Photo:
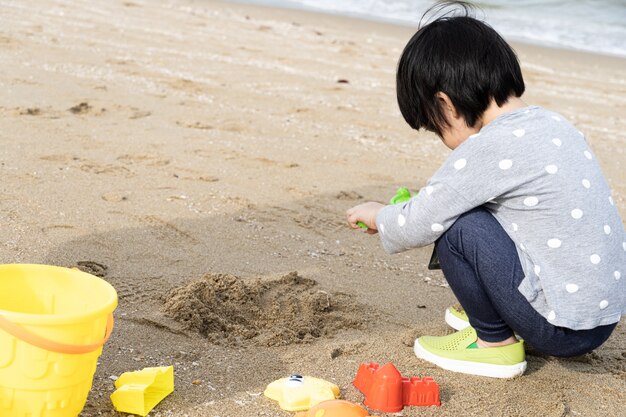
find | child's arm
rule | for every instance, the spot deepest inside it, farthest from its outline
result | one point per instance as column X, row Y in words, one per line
column 421, row 220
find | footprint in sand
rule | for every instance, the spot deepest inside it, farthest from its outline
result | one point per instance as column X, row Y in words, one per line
column 114, row 197
column 195, row 125
column 348, row 195
column 31, row 111
column 84, row 108
column 80, row 108
column 95, row 168
column 139, row 114
column 93, row 268
column 147, row 159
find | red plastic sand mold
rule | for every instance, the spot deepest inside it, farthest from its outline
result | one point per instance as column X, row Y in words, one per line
column 387, row 391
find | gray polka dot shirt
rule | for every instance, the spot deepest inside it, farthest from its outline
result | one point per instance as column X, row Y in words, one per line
column 536, row 174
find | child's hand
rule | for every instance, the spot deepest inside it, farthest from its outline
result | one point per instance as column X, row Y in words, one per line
column 365, row 213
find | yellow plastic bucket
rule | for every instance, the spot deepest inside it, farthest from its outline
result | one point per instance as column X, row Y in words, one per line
column 53, row 324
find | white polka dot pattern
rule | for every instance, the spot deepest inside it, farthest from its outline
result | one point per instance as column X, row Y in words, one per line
column 460, row 164
column 611, row 202
column 519, row 132
column 617, row 275
column 558, row 119
column 436, row 227
column 604, row 304
column 505, row 164
column 515, row 227
column 607, row 229
column 571, row 288
column 586, row 183
column 557, row 141
column 552, row 169
column 554, row 243
column 577, row 213
column 537, row 270
column 595, row 259
column 381, row 227
column 429, row 190
column 587, row 155
column 551, row 315
column 401, row 220
column 531, row 201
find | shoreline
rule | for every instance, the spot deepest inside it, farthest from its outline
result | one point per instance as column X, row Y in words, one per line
column 392, row 22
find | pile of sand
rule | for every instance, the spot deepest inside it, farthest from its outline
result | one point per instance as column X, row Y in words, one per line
column 266, row 311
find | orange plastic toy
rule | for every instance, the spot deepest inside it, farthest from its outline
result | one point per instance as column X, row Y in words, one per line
column 388, row 391
column 335, row 408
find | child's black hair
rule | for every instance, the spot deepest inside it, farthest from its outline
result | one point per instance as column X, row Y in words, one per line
column 460, row 56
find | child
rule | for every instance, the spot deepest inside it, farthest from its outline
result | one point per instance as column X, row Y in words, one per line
column 524, row 225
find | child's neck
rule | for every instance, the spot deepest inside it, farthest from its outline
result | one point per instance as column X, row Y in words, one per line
column 494, row 110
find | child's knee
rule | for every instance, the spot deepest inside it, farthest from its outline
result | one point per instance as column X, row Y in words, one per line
column 475, row 218
column 471, row 226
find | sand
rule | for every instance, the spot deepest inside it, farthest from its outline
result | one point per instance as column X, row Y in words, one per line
column 162, row 145
column 277, row 311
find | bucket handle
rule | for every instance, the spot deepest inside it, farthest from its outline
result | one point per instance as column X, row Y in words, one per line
column 50, row 345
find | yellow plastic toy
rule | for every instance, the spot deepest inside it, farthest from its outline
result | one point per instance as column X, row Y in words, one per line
column 140, row 391
column 53, row 324
column 299, row 393
column 336, row 408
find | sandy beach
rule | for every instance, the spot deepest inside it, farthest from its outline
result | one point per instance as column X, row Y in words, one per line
column 194, row 151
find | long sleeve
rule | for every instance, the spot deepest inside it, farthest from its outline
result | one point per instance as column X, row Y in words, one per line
column 424, row 218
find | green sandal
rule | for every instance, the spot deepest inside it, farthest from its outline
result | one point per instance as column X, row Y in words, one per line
column 458, row 352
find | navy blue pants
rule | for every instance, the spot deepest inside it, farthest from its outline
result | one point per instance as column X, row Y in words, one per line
column 481, row 264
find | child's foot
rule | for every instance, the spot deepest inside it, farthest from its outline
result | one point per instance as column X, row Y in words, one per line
column 456, row 317
column 458, row 352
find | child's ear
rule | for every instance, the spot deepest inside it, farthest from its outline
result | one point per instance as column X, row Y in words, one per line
column 447, row 106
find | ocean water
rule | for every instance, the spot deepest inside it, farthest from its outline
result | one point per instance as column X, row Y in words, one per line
column 589, row 25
